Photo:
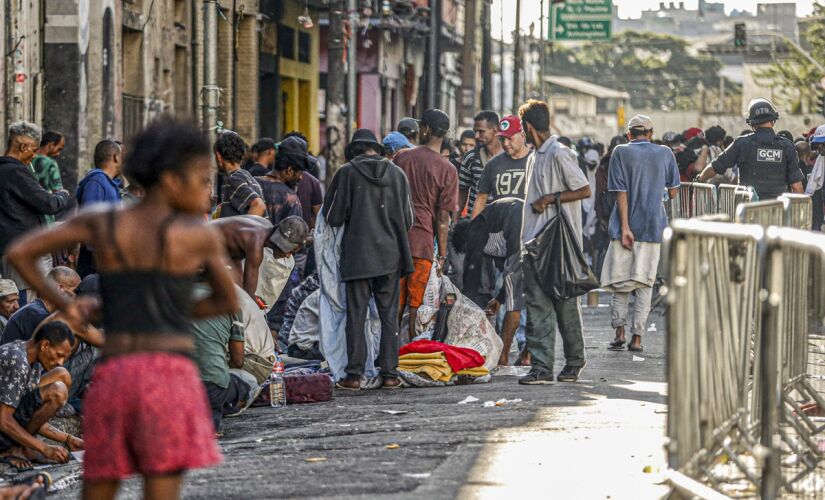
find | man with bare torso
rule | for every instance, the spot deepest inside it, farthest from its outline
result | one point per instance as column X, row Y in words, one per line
column 246, row 237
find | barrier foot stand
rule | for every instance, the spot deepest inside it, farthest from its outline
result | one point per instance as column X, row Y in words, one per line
column 691, row 488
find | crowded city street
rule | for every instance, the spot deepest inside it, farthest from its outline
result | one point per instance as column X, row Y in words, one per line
column 405, row 249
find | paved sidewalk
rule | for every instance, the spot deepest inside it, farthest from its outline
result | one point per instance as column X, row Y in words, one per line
column 592, row 439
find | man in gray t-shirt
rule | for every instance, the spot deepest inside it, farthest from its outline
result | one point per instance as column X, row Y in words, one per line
column 552, row 173
column 505, row 176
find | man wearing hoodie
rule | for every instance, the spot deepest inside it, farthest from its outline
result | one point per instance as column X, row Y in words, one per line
column 434, row 190
column 23, row 202
column 370, row 197
column 100, row 186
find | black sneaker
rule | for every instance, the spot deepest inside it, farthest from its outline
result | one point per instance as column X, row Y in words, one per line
column 537, row 377
column 570, row 373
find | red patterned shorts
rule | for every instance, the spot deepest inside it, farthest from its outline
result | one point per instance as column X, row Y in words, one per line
column 146, row 414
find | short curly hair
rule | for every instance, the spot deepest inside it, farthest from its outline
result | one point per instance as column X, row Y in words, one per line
column 231, row 147
column 536, row 113
column 166, row 145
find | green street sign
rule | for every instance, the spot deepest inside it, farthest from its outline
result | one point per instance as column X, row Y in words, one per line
column 581, row 20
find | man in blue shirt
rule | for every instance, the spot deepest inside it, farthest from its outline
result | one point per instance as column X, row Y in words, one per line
column 640, row 172
column 101, row 185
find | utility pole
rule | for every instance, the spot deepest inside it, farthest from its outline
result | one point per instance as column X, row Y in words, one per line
column 469, row 63
column 516, row 56
column 542, row 61
column 210, row 92
column 486, row 57
column 501, row 56
column 352, row 69
column 432, row 56
column 336, row 128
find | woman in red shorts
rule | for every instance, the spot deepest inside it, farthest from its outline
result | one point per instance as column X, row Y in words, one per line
column 146, row 411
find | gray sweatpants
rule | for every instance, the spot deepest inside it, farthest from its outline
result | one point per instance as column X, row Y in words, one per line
column 641, row 309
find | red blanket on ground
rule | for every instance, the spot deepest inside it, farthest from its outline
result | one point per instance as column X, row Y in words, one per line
column 459, row 358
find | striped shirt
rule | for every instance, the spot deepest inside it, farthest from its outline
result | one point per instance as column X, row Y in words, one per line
column 470, row 172
column 239, row 189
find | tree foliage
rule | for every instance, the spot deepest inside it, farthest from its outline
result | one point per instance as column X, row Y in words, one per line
column 795, row 81
column 658, row 71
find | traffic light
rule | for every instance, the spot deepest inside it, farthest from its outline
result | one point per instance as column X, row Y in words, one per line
column 822, row 104
column 740, row 36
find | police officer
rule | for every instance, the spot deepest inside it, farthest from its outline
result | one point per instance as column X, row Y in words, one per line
column 766, row 162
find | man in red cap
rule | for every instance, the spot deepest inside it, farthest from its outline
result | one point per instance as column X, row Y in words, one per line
column 505, row 175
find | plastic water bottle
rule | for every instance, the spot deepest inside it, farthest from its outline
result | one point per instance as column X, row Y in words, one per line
column 277, row 386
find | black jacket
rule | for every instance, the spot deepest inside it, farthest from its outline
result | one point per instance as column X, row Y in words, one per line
column 370, row 197
column 23, row 202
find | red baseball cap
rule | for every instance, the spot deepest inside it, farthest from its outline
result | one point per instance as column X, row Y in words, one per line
column 509, row 126
column 693, row 132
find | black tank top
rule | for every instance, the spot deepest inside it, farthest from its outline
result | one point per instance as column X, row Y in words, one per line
column 145, row 300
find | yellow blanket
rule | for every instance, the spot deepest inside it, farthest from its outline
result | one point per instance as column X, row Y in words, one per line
column 433, row 365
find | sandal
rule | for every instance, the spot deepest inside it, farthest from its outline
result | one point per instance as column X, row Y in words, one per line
column 45, row 477
column 391, row 383
column 616, row 345
column 349, row 384
column 13, row 460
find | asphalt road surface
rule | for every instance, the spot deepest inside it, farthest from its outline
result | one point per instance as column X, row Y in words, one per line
column 599, row 438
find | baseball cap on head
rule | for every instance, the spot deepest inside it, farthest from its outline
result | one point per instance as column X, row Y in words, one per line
column 693, row 132
column 640, row 122
column 7, row 287
column 819, row 135
column 407, row 125
column 290, row 234
column 591, row 157
column 295, row 149
column 509, row 126
column 437, row 120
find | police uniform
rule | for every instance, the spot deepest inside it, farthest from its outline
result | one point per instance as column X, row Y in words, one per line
column 766, row 162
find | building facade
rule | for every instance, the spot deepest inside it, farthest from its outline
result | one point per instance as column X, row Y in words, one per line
column 96, row 69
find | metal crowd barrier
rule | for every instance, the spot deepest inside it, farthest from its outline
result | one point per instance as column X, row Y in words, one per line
column 799, row 213
column 791, row 435
column 694, row 199
column 714, row 284
column 765, row 213
column 731, row 196
column 744, row 414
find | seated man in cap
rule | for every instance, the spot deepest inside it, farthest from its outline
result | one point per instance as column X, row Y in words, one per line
column 247, row 240
column 9, row 302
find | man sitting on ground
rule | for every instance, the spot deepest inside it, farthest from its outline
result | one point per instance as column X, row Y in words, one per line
column 246, row 238
column 9, row 302
column 219, row 346
column 86, row 348
column 30, row 398
column 22, row 324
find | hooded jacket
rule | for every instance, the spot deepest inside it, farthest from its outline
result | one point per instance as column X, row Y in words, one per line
column 370, row 197
column 23, row 201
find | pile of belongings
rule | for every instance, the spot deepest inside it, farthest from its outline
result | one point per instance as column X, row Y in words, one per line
column 466, row 323
column 425, row 363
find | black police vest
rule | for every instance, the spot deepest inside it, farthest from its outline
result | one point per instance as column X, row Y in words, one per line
column 763, row 164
